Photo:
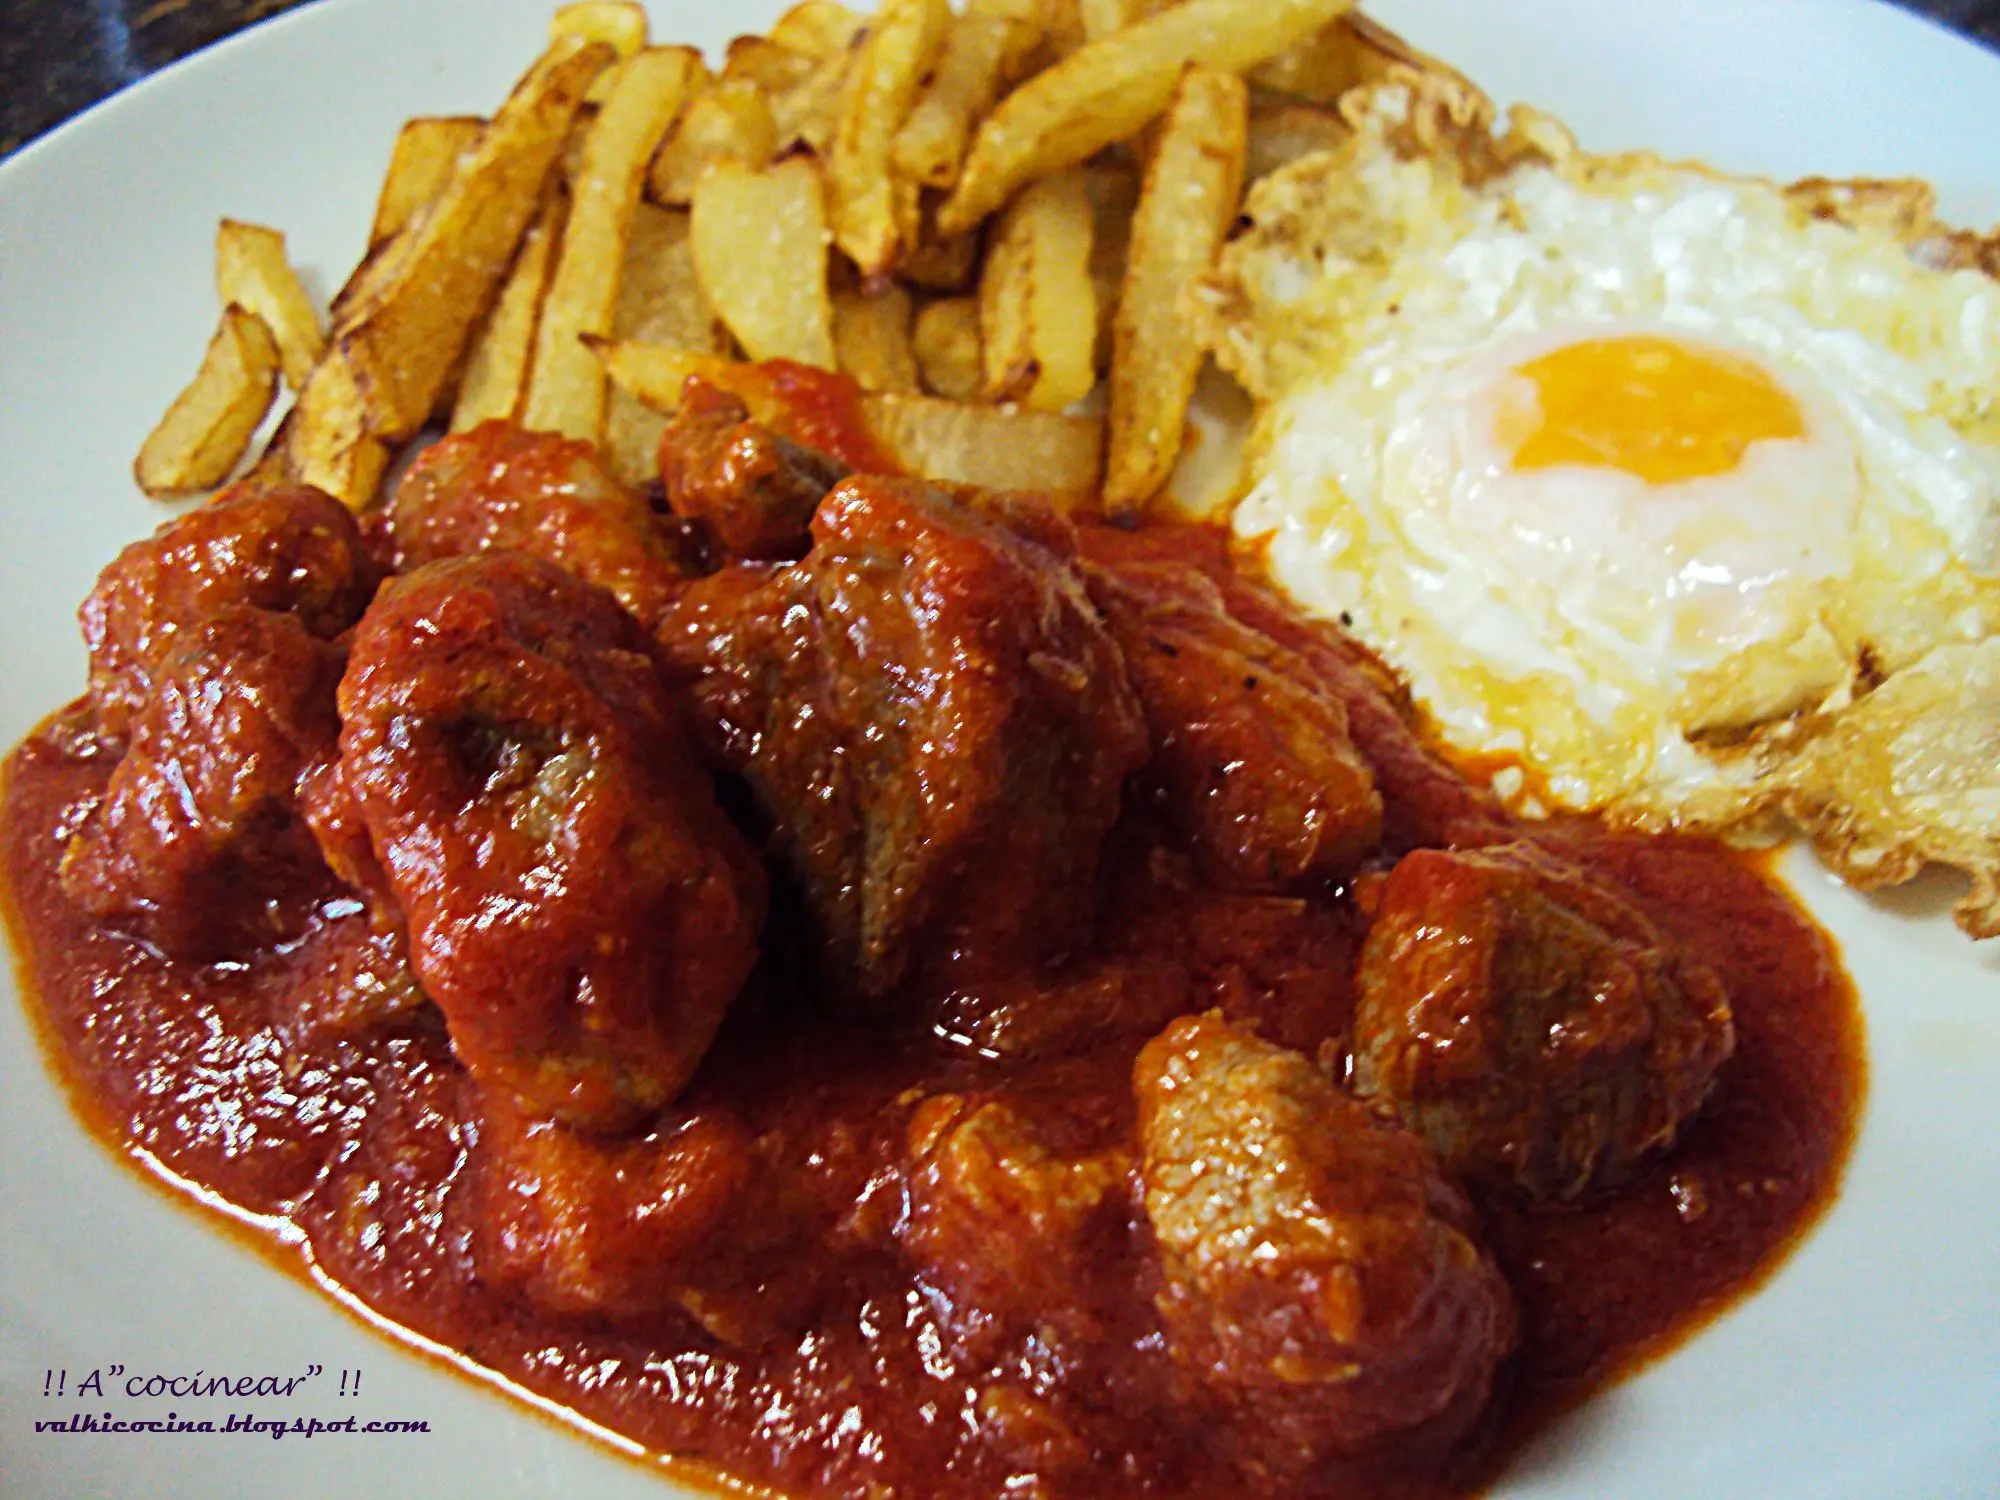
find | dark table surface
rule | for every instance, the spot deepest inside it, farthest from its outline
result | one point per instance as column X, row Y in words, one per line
column 60, row 56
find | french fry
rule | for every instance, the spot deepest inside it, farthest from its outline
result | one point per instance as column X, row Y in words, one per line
column 731, row 121
column 1101, row 18
column 566, row 383
column 618, row 24
column 1037, row 306
column 426, row 152
column 1114, row 198
column 1109, row 90
column 759, row 61
column 817, row 28
column 496, row 371
column 657, row 373
column 1002, row 448
column 252, row 272
column 760, row 240
column 660, row 301
column 996, row 447
column 660, row 297
column 1281, row 134
column 986, row 50
column 325, row 438
column 808, row 113
column 207, row 429
column 404, row 320
column 1193, row 185
column 939, row 265
column 946, row 341
column 869, row 221
column 1347, row 52
column 872, row 336
column 1062, row 25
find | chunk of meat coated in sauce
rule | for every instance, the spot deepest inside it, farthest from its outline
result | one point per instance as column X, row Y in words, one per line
column 582, row 1225
column 500, row 487
column 195, row 837
column 286, row 549
column 1251, row 759
column 1530, row 1021
column 1425, row 802
column 578, row 906
column 1319, row 1279
column 754, row 490
column 1000, row 1224
column 932, row 717
column 698, row 1216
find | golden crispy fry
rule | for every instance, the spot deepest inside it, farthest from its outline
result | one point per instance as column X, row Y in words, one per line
column 817, row 28
column 496, row 371
column 660, row 301
column 403, row 321
column 1110, row 89
column 660, row 297
column 808, row 112
column 760, row 240
column 986, row 51
column 1114, row 198
column 1037, row 306
column 936, row 263
column 427, row 150
column 251, row 271
column 869, row 221
column 872, row 335
column 619, row 24
column 657, row 373
column 1002, row 448
column 1062, row 26
column 1282, row 133
column 1341, row 55
column 203, row 436
column 566, row 384
column 1101, row 18
column 947, row 349
column 762, row 62
column 731, row 121
column 324, row 439
column 996, row 447
column 1193, row 185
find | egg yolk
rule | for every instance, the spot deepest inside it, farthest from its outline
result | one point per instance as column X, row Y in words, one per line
column 1656, row 409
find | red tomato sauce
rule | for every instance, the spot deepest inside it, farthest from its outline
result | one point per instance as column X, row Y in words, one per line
column 362, row 1145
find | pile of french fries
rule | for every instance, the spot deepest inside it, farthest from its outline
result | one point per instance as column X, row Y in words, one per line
column 989, row 220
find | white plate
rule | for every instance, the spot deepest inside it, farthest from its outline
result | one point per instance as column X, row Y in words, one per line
column 1870, row 1367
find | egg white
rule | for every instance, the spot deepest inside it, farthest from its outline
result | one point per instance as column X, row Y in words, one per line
column 1621, row 640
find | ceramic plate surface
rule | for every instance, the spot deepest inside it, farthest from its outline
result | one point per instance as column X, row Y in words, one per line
column 1869, row 1367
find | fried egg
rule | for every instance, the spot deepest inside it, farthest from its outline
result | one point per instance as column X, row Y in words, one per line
column 1640, row 475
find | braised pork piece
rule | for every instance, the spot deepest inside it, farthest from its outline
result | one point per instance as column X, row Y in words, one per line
column 884, row 990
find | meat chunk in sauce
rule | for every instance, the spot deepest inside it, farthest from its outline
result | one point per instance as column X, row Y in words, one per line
column 500, row 487
column 932, row 717
column 1425, row 802
column 287, row 549
column 195, row 839
column 1001, row 1225
column 578, row 906
column 1318, row 1277
column 698, row 1216
column 754, row 490
column 585, row 1226
column 1530, row 1021
column 1251, row 757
